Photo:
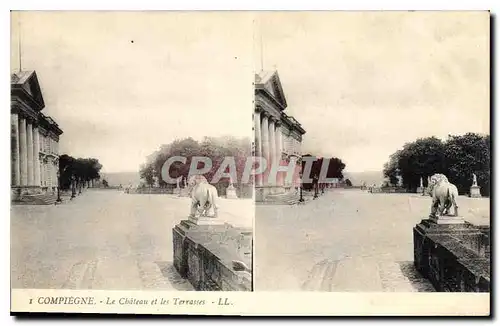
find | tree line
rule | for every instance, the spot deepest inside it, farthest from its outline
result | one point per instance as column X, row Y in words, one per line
column 79, row 170
column 215, row 148
column 334, row 170
column 458, row 157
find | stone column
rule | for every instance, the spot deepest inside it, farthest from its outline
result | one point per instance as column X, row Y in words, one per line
column 265, row 137
column 56, row 168
column 23, row 152
column 258, row 144
column 36, row 155
column 31, row 167
column 49, row 175
column 54, row 173
column 258, row 134
column 16, row 167
column 51, row 169
column 265, row 146
column 279, row 150
column 279, row 142
column 272, row 144
column 42, row 173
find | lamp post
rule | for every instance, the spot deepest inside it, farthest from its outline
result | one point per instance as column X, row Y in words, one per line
column 301, row 199
column 73, row 190
column 58, row 187
column 315, row 186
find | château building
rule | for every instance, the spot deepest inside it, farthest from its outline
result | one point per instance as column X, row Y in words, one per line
column 278, row 137
column 34, row 139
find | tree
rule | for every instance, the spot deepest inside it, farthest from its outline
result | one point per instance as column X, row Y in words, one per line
column 458, row 157
column 214, row 148
column 421, row 158
column 391, row 170
column 466, row 155
column 334, row 169
column 105, row 183
column 66, row 170
column 348, row 183
column 147, row 174
column 83, row 169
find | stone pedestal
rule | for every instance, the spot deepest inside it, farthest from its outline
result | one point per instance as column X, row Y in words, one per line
column 205, row 220
column 475, row 192
column 231, row 192
column 452, row 256
column 447, row 220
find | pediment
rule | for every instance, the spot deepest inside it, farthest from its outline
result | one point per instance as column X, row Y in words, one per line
column 28, row 82
column 272, row 84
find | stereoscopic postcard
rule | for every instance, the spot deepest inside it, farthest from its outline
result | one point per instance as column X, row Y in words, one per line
column 250, row 163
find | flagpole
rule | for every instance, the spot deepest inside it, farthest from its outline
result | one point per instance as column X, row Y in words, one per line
column 19, row 42
column 261, row 51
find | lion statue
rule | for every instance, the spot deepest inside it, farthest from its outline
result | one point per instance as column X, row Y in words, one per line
column 203, row 196
column 444, row 195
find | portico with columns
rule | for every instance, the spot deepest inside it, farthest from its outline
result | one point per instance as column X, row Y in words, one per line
column 34, row 139
column 278, row 136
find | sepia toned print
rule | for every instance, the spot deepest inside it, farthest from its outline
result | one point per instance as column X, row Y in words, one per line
column 398, row 102
column 250, row 163
column 99, row 102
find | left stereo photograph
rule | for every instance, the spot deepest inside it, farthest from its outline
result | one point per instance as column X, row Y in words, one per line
column 130, row 134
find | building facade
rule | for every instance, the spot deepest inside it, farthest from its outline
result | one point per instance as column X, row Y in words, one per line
column 278, row 136
column 34, row 139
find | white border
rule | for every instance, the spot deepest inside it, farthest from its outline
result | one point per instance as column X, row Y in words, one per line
column 185, row 5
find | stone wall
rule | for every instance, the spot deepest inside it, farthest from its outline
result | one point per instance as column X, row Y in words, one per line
column 387, row 190
column 454, row 257
column 149, row 191
column 204, row 254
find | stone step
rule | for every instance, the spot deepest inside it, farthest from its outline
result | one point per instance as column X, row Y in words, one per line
column 290, row 198
column 38, row 199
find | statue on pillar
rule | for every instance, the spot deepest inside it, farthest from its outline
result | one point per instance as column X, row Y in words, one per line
column 475, row 190
column 231, row 191
column 421, row 188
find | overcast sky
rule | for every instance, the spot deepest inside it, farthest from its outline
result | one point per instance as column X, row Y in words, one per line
column 184, row 75
column 362, row 84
